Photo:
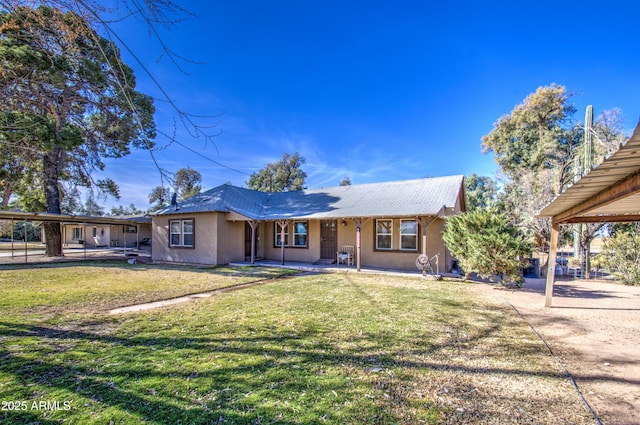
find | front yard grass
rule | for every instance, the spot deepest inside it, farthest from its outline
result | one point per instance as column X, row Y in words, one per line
column 99, row 286
column 313, row 349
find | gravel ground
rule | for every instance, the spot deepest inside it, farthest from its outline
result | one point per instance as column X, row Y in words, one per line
column 593, row 329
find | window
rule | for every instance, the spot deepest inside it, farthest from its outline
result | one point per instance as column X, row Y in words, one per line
column 384, row 234
column 77, row 234
column 181, row 233
column 300, row 231
column 130, row 229
column 278, row 235
column 409, row 235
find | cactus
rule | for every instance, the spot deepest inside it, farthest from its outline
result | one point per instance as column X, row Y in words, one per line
column 588, row 140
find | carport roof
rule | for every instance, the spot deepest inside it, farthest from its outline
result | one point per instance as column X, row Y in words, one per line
column 41, row 216
column 609, row 193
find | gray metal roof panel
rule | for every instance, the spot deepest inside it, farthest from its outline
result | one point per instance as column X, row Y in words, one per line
column 399, row 198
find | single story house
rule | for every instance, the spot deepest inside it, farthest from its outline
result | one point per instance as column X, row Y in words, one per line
column 385, row 224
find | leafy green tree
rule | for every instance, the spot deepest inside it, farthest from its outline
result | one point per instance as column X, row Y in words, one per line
column 345, row 181
column 532, row 145
column 91, row 207
column 621, row 254
column 481, row 192
column 283, row 176
column 71, row 101
column 70, row 202
column 29, row 229
column 485, row 243
column 187, row 182
column 533, row 135
column 159, row 197
column 121, row 210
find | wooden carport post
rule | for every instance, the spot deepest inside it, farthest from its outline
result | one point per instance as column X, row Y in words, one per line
column 26, row 247
column 84, row 235
column 12, row 235
column 551, row 263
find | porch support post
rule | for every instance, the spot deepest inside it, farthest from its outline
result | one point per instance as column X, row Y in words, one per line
column 63, row 231
column 253, row 225
column 283, row 225
column 551, row 263
column 359, row 222
column 424, row 223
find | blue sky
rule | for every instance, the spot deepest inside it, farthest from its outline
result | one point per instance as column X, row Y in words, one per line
column 372, row 90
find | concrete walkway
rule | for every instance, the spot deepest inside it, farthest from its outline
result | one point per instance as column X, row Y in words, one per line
column 335, row 268
column 178, row 300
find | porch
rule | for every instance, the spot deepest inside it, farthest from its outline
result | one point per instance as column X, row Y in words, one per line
column 335, row 268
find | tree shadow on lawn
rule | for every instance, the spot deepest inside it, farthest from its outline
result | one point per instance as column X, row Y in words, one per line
column 99, row 371
column 244, row 271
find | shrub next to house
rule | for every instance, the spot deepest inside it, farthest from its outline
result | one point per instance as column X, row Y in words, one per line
column 485, row 243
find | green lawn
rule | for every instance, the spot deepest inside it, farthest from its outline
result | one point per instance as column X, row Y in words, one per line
column 314, row 349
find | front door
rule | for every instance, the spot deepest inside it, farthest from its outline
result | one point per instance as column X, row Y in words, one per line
column 247, row 240
column 328, row 239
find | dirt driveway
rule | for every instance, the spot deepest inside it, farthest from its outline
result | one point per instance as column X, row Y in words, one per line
column 593, row 328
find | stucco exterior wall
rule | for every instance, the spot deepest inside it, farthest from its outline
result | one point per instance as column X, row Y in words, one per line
column 218, row 240
column 106, row 235
column 346, row 235
column 131, row 239
column 230, row 240
column 205, row 246
column 304, row 254
column 395, row 258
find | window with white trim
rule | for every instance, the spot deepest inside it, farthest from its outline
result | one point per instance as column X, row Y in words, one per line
column 76, row 234
column 384, row 234
column 278, row 235
column 409, row 235
column 300, row 232
column 181, row 233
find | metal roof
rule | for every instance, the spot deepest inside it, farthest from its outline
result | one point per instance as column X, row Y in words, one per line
column 586, row 198
column 420, row 197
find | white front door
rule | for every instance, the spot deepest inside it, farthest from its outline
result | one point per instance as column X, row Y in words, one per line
column 101, row 236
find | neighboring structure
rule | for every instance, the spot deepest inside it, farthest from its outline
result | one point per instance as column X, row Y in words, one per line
column 390, row 224
column 91, row 232
column 608, row 193
column 96, row 232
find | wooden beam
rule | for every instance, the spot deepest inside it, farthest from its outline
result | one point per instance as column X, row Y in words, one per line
column 424, row 223
column 283, row 225
column 359, row 222
column 618, row 218
column 625, row 187
column 551, row 263
column 254, row 226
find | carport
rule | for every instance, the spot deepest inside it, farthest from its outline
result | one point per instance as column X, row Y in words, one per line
column 62, row 219
column 609, row 193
